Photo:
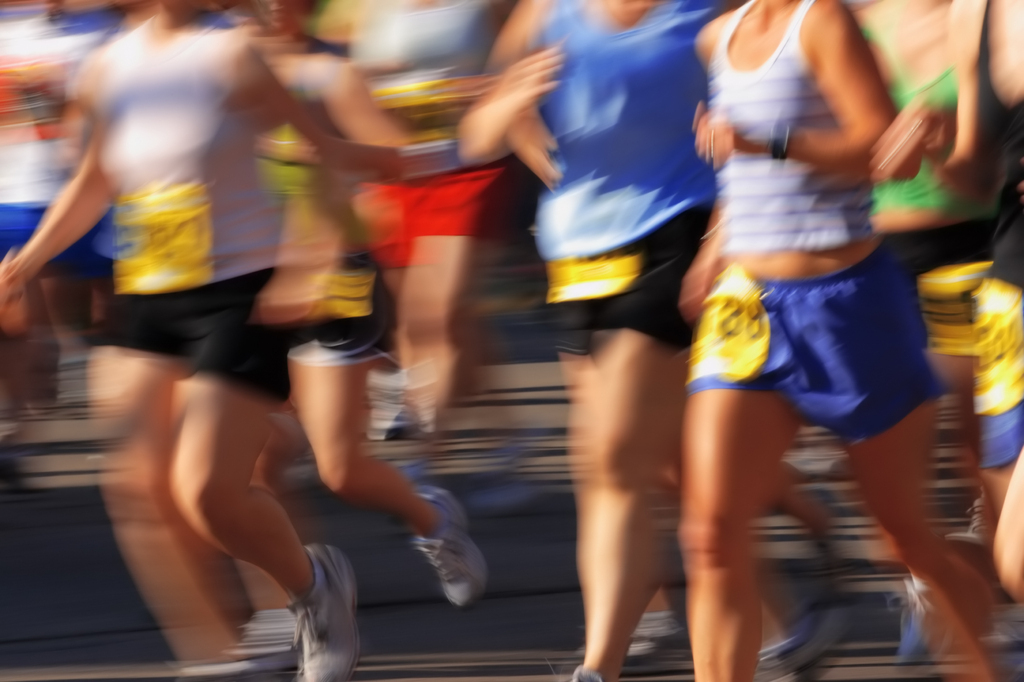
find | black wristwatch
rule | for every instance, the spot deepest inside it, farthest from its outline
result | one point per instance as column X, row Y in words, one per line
column 778, row 143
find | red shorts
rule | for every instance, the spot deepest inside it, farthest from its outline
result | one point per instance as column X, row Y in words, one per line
column 471, row 203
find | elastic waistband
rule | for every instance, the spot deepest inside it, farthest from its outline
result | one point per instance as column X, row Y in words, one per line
column 879, row 258
column 245, row 283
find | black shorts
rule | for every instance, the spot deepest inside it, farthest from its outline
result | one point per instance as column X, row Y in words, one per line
column 209, row 328
column 651, row 305
column 921, row 251
column 349, row 340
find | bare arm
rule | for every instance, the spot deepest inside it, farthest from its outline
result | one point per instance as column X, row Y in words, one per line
column 80, row 205
column 848, row 77
column 706, row 267
column 259, row 88
column 707, row 39
column 507, row 118
column 353, row 110
column 517, row 36
column 973, row 168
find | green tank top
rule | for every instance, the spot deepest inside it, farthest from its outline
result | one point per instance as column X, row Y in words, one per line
column 925, row 191
column 289, row 179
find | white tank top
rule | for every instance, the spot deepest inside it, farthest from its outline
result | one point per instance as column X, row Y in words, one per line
column 168, row 124
column 772, row 205
column 416, row 41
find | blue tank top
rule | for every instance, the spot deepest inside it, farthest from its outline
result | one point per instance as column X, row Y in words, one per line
column 622, row 117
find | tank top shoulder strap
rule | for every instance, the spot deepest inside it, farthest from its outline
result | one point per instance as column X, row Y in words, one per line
column 720, row 56
column 984, row 58
column 997, row 120
column 791, row 41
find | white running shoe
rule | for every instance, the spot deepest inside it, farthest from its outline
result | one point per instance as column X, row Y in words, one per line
column 458, row 561
column 276, row 664
column 656, row 645
column 977, row 530
column 582, row 674
column 269, row 632
column 326, row 630
column 389, row 419
column 267, row 647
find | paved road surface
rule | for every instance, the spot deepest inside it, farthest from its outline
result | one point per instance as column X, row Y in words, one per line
column 68, row 610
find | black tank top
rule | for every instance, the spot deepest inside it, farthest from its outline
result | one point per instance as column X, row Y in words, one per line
column 1003, row 128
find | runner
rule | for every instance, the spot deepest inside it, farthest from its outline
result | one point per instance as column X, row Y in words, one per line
column 627, row 196
column 943, row 239
column 788, row 332
column 986, row 160
column 327, row 253
column 508, row 114
column 424, row 60
column 175, row 105
column 40, row 50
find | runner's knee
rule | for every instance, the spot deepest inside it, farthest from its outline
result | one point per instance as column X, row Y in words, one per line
column 715, row 540
column 340, row 473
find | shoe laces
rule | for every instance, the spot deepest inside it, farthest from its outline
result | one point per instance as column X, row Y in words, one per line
column 442, row 556
column 976, row 514
column 310, row 627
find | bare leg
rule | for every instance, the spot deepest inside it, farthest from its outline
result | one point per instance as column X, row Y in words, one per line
column 331, row 405
column 431, row 305
column 287, row 441
column 957, row 372
column 1009, row 535
column 892, row 469
column 224, row 429
column 183, row 579
column 731, row 475
column 627, row 402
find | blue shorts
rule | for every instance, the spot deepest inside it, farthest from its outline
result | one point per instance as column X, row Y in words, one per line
column 846, row 349
column 1002, row 437
column 18, row 222
column 999, row 372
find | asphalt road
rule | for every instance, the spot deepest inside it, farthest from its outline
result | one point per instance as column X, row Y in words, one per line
column 69, row 611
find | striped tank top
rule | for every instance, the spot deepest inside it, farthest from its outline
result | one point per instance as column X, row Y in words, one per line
column 772, row 205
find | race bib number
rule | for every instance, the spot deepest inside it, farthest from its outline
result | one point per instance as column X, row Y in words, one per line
column 947, row 303
column 346, row 294
column 164, row 241
column 734, row 332
column 607, row 274
column 999, row 334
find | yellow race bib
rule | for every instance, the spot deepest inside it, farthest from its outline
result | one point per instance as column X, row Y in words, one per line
column 734, row 332
column 607, row 274
column 164, row 241
column 999, row 326
column 346, row 294
column 435, row 107
column 947, row 304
